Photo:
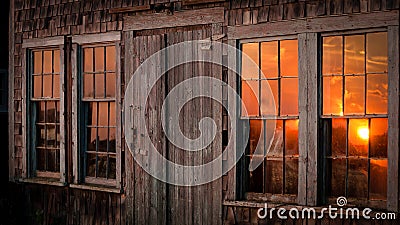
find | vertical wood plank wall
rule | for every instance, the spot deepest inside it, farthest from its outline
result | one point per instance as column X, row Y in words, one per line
column 146, row 200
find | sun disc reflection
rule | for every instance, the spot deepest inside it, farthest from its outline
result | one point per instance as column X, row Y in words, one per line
column 363, row 133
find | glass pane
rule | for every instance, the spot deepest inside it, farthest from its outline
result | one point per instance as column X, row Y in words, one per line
column 41, row 110
column 358, row 137
column 338, row 177
column 103, row 114
column 88, row 86
column 47, row 86
column 289, row 97
column 57, row 62
column 99, row 85
column 354, row 55
column 110, row 85
column 102, row 139
column 47, row 62
column 250, row 63
column 99, row 59
column 358, row 178
column 339, row 133
column 256, row 179
column 112, row 140
column 378, row 138
column 110, row 58
column 332, row 96
column 377, row 93
column 289, row 58
column 291, row 176
column 51, row 135
column 256, row 127
column 250, row 98
column 291, row 137
column 378, row 179
column 37, row 62
column 269, row 97
column 276, row 148
column 91, row 139
column 58, row 136
column 37, row 86
column 93, row 112
column 332, row 55
column 112, row 119
column 377, row 53
column 51, row 112
column 40, row 136
column 57, row 112
column 51, row 163
column 102, row 166
column 354, row 96
column 91, row 165
column 112, row 167
column 41, row 159
column 269, row 59
column 56, row 86
column 274, row 176
column 88, row 60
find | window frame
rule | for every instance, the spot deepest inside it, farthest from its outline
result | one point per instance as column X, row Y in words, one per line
column 79, row 178
column 29, row 169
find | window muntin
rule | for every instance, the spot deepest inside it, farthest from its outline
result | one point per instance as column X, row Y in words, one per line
column 99, row 112
column 278, row 174
column 45, row 105
column 355, row 86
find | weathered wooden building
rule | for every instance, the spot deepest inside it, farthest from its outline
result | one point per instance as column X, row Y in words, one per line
column 332, row 66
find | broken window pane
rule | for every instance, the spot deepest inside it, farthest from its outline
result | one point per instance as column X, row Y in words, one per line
column 378, row 179
column 354, row 55
column 332, row 95
column 250, row 63
column 358, row 137
column 354, row 95
column 358, row 178
column 269, row 97
column 256, row 179
column 332, row 55
column 377, row 53
column 379, row 137
column 289, row 58
column 269, row 59
column 250, row 98
column 377, row 93
column 289, row 97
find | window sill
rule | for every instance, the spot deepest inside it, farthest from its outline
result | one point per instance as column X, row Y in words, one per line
column 91, row 187
column 44, row 181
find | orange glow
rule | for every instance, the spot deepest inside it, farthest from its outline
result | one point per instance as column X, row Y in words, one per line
column 363, row 133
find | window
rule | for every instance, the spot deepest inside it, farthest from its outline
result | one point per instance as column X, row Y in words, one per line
column 354, row 112
column 278, row 59
column 99, row 113
column 44, row 108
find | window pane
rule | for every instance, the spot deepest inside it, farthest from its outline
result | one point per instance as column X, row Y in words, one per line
column 110, row 58
column 92, row 114
column 377, row 93
column 102, row 139
column 37, row 86
column 112, row 140
column 51, row 135
column 338, row 177
column 274, row 176
column 379, row 138
column 269, row 97
column 332, row 96
column 47, row 62
column 41, row 110
column 250, row 67
column 47, row 86
column 354, row 95
column 289, row 97
column 88, row 60
column 99, row 88
column 91, row 139
column 110, row 85
column 269, row 59
column 103, row 114
column 57, row 62
column 289, row 58
column 51, row 112
column 91, row 165
column 99, row 59
column 276, row 148
column 339, row 133
column 37, row 62
column 102, row 166
column 112, row 167
column 250, row 98
column 291, row 137
column 291, row 176
column 58, row 136
column 377, row 53
column 88, row 86
column 51, row 164
column 256, row 127
column 378, row 179
column 358, row 137
column 56, row 86
column 57, row 111
column 112, row 119
column 40, row 136
column 354, row 54
column 41, row 159
column 332, row 55
column 358, row 178
column 256, row 179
